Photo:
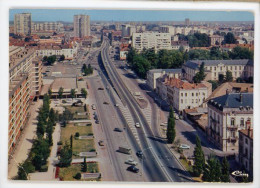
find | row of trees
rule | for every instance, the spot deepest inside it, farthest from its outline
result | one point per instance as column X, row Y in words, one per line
column 165, row 59
column 72, row 92
column 40, row 151
column 51, row 59
column 212, row 169
column 86, row 70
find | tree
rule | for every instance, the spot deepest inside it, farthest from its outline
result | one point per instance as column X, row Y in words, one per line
column 241, row 53
column 50, row 92
column 72, row 93
column 45, row 58
column 199, row 76
column 229, row 77
column 84, row 92
column 71, row 142
column 212, row 171
column 65, row 156
column 221, row 78
column 40, row 153
column 62, row 57
column 51, row 59
column 84, row 165
column 60, row 92
column 66, row 116
column 22, row 175
column 49, row 131
column 225, row 170
column 171, row 134
column 78, row 176
column 84, row 68
column 230, row 38
column 199, row 161
column 214, row 83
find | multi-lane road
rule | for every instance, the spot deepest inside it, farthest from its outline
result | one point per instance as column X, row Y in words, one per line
column 159, row 164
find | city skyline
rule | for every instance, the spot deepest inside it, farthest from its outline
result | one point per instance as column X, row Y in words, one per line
column 133, row 15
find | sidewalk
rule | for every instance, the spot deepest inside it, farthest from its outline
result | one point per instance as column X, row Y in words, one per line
column 26, row 141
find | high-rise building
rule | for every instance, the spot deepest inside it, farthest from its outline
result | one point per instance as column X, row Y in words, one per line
column 187, row 21
column 81, row 25
column 23, row 23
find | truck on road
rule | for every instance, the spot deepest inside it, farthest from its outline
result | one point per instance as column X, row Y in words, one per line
column 124, row 149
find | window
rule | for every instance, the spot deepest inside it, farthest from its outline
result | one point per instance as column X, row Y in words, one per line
column 192, row 94
column 181, row 101
column 182, row 94
column 242, row 122
column 215, row 68
column 232, row 121
column 192, row 101
column 185, row 94
column 246, row 140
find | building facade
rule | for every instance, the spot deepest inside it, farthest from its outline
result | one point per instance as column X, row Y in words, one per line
column 23, row 24
column 24, row 83
column 49, row 26
column 81, row 26
column 147, row 40
column 227, row 115
column 216, row 40
column 245, row 152
column 184, row 95
column 243, row 68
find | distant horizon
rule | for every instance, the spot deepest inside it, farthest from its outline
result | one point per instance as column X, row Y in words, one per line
column 66, row 15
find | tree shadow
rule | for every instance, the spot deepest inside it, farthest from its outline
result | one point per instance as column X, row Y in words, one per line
column 30, row 140
column 158, row 139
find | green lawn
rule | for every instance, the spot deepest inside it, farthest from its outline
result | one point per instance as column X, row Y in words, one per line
column 83, row 145
column 78, row 109
column 68, row 172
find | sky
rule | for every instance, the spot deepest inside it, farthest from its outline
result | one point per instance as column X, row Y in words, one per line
column 133, row 15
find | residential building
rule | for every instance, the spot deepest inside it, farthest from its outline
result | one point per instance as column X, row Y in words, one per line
column 125, row 30
column 151, row 40
column 243, row 68
column 245, row 152
column 184, row 95
column 81, row 26
column 23, row 23
column 176, row 45
column 24, row 83
column 153, row 74
column 216, row 40
column 227, row 115
column 48, row 26
column 123, row 51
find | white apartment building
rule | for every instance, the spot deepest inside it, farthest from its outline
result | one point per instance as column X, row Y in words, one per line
column 184, row 95
column 48, row 26
column 153, row 74
column 23, row 24
column 227, row 115
column 81, row 26
column 243, row 68
column 151, row 40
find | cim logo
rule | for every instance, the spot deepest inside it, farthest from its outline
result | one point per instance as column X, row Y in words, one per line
column 239, row 174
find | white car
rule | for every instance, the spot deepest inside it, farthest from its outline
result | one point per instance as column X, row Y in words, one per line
column 93, row 107
column 116, row 105
column 131, row 162
column 137, row 125
column 184, row 146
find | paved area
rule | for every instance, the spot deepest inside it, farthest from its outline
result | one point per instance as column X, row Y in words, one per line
column 26, row 141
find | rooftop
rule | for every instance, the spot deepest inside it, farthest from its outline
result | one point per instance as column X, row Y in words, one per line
column 165, row 70
column 233, row 100
column 182, row 84
column 247, row 132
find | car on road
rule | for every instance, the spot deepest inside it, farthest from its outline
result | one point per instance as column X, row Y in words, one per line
column 132, row 168
column 131, row 162
column 137, row 125
column 100, row 88
column 116, row 105
column 105, row 102
column 184, row 146
column 97, row 121
column 118, row 129
column 176, row 116
column 139, row 154
column 93, row 107
column 101, row 143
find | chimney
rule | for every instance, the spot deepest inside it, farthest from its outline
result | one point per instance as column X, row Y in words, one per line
column 248, row 131
column 227, row 92
column 240, row 97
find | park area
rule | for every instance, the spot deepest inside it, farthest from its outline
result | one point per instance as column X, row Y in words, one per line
column 69, row 173
column 79, row 145
column 79, row 112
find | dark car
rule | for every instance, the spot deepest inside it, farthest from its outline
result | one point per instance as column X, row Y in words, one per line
column 139, row 154
column 132, row 168
column 118, row 130
column 100, row 88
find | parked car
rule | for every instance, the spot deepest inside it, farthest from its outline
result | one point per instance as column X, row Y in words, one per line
column 131, row 162
column 118, row 129
column 133, row 169
column 139, row 154
column 100, row 88
column 105, row 102
column 184, row 146
column 137, row 125
column 93, row 107
column 97, row 121
column 116, row 105
column 101, row 143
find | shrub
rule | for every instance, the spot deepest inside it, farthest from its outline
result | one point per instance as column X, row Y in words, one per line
column 92, row 150
column 77, row 134
column 88, row 124
column 90, row 134
column 44, row 168
column 78, row 176
column 59, row 143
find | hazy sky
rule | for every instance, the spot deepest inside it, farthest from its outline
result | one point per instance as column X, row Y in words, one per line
column 133, row 15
